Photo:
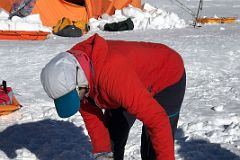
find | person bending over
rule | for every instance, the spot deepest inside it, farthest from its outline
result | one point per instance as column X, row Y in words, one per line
column 112, row 83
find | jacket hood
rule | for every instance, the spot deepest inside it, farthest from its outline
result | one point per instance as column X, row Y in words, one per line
column 95, row 47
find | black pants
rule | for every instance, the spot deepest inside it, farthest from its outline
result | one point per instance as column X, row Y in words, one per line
column 119, row 121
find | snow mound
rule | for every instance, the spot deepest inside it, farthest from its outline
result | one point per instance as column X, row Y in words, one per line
column 28, row 23
column 147, row 18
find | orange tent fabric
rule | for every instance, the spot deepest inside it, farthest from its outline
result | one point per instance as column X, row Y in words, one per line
column 119, row 4
column 52, row 10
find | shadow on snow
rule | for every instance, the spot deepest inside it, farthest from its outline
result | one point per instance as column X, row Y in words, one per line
column 47, row 140
column 51, row 139
column 200, row 149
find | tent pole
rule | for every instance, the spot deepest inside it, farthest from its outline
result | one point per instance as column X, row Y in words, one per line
column 198, row 11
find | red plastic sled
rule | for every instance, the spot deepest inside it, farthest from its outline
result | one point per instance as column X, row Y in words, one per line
column 23, row 35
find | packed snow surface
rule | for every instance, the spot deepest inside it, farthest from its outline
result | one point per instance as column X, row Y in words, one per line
column 209, row 124
column 30, row 23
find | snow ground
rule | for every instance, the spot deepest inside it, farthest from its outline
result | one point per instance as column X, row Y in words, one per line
column 209, row 125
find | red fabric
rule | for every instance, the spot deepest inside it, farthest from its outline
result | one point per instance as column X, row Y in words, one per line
column 128, row 74
column 5, row 96
column 93, row 118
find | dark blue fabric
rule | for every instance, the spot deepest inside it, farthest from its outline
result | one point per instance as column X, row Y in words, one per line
column 171, row 100
column 119, row 121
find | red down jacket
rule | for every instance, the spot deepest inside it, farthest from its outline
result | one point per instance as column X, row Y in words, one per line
column 127, row 74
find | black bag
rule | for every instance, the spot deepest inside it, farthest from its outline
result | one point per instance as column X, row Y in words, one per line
column 120, row 26
column 70, row 31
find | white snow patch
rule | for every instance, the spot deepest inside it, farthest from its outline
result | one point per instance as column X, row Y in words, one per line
column 29, row 23
column 148, row 18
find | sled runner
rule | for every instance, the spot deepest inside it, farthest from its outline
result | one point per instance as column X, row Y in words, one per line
column 23, row 35
column 8, row 102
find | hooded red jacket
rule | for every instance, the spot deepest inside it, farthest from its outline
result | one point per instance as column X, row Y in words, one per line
column 127, row 74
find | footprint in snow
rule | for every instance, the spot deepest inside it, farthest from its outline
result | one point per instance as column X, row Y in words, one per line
column 217, row 108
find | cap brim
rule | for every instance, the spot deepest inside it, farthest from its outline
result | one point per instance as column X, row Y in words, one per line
column 68, row 104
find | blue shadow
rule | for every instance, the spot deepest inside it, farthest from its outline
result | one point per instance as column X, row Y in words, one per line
column 200, row 149
column 47, row 140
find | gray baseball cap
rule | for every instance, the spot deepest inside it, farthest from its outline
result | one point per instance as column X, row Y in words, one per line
column 59, row 78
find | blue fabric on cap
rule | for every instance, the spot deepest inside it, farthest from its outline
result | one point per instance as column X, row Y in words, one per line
column 68, row 104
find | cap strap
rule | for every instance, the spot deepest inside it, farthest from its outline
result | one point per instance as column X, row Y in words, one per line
column 77, row 68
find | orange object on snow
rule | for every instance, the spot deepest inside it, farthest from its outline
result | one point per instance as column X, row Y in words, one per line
column 8, row 102
column 226, row 20
column 6, row 109
column 119, row 4
column 23, row 35
column 52, row 10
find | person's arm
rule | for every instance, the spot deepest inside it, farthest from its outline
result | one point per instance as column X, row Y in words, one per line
column 94, row 122
column 122, row 85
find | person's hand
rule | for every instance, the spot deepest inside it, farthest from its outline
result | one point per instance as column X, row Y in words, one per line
column 103, row 156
